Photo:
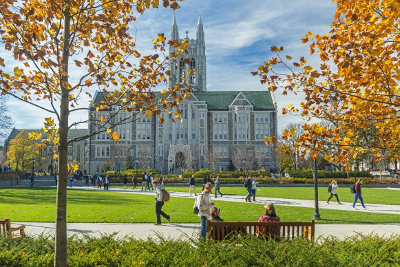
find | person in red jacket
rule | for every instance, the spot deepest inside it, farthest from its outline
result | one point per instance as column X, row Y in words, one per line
column 269, row 216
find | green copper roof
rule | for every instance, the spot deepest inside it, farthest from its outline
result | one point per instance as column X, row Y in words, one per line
column 222, row 99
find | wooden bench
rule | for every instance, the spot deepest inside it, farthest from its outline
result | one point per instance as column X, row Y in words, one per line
column 7, row 231
column 278, row 230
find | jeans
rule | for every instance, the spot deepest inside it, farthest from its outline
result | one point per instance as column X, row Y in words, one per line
column 248, row 192
column 159, row 205
column 253, row 192
column 105, row 186
column 217, row 190
column 203, row 226
column 356, row 197
column 70, row 183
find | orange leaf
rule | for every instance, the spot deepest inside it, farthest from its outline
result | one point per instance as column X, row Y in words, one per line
column 115, row 136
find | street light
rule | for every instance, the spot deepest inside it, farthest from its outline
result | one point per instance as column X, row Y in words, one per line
column 9, row 170
column 316, row 206
column 33, row 171
column 136, row 165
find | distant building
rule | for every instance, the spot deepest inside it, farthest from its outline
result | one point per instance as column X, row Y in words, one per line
column 76, row 151
column 225, row 120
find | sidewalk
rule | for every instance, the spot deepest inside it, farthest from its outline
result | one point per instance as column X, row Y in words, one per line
column 346, row 206
column 182, row 230
column 179, row 230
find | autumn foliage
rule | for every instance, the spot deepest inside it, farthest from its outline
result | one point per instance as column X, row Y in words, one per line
column 355, row 88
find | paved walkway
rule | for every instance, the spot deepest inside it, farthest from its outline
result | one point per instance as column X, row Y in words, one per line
column 347, row 206
column 185, row 230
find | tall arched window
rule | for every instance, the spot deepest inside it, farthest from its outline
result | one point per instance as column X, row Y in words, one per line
column 181, row 70
column 193, row 67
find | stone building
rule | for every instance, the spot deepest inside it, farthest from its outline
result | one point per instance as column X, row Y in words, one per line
column 224, row 120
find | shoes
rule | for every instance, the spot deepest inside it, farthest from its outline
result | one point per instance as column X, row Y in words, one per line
column 327, row 202
column 340, row 203
column 364, row 208
column 354, row 208
column 221, row 195
column 157, row 224
column 169, row 220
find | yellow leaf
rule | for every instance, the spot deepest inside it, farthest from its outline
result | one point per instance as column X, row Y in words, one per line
column 109, row 131
column 115, row 136
column 2, row 62
column 292, row 131
column 290, row 105
column 164, row 91
column 148, row 113
column 101, row 119
column 177, row 115
column 289, row 57
column 18, row 72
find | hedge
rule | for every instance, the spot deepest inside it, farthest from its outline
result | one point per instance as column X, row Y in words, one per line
column 108, row 250
column 307, row 173
column 269, row 180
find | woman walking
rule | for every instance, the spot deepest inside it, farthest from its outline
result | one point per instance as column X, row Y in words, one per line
column 125, row 180
column 217, row 184
column 134, row 182
column 254, row 188
column 333, row 186
column 357, row 195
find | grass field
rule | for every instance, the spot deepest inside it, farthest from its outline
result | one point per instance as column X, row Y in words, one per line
column 38, row 205
column 370, row 195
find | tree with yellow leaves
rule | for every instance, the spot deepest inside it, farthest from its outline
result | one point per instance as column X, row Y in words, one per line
column 22, row 150
column 50, row 38
column 356, row 86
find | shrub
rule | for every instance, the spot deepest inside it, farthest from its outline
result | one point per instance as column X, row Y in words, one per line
column 108, row 250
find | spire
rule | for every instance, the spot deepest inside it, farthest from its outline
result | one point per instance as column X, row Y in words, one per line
column 200, row 31
column 174, row 30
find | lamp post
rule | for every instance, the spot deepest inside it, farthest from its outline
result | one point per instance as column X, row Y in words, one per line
column 316, row 214
column 136, row 165
column 9, row 170
column 244, row 169
column 33, row 171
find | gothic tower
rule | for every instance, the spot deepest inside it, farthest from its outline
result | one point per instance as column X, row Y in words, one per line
column 197, row 55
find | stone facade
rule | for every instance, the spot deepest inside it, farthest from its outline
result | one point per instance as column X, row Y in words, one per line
column 225, row 120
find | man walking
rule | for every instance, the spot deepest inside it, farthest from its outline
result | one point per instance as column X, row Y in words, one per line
column 205, row 205
column 192, row 185
column 144, row 181
column 159, row 203
column 248, row 184
column 106, row 182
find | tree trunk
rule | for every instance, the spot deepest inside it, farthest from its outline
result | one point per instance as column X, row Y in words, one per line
column 60, row 255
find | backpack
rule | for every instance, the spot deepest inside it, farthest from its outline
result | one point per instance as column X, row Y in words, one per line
column 330, row 189
column 196, row 209
column 165, row 195
column 248, row 182
column 353, row 188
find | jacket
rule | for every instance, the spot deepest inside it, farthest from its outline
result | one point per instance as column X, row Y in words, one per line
column 204, row 203
column 192, row 181
column 158, row 191
column 254, row 185
column 216, row 183
column 358, row 189
column 334, row 187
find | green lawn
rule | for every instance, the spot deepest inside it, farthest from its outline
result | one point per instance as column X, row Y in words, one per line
column 370, row 195
column 38, row 205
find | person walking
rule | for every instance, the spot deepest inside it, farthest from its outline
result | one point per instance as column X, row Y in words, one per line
column 192, row 185
column 205, row 205
column 71, row 181
column 134, row 182
column 254, row 188
column 144, row 181
column 248, row 183
column 150, row 179
column 106, row 182
column 56, row 177
column 159, row 203
column 333, row 186
column 357, row 195
column 161, row 180
column 125, row 180
column 217, row 185
column 99, row 181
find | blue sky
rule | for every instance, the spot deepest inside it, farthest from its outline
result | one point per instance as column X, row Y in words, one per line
column 238, row 35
